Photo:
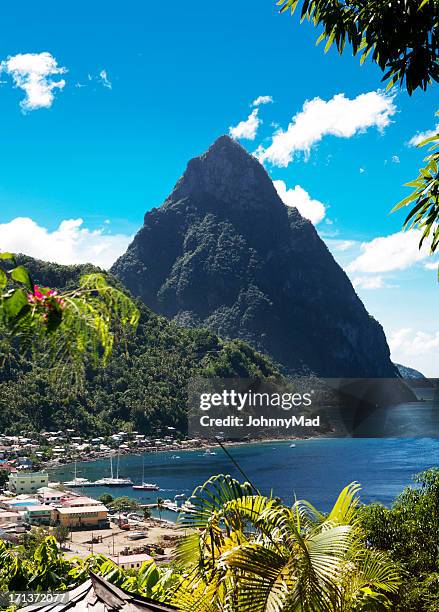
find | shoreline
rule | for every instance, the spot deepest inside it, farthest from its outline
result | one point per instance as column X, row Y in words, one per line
column 54, row 464
column 172, row 519
column 383, row 467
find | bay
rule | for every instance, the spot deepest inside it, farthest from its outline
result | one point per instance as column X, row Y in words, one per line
column 315, row 469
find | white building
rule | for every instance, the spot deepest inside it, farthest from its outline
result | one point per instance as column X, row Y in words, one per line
column 49, row 495
column 27, row 482
column 130, row 561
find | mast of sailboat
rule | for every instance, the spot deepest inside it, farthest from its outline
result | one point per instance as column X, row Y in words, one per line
column 111, row 465
column 117, row 468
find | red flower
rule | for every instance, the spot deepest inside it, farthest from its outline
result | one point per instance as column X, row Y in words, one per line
column 45, row 298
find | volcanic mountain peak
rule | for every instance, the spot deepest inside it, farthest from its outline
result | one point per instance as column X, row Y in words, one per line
column 224, row 252
column 228, row 173
column 225, row 144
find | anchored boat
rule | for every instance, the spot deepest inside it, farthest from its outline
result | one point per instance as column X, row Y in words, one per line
column 78, row 482
column 146, row 486
column 114, row 481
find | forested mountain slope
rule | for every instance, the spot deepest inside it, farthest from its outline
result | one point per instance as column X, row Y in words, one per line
column 143, row 387
column 224, row 252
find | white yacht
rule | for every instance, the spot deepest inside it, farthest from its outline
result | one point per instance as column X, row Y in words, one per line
column 78, row 482
column 114, row 481
column 146, row 486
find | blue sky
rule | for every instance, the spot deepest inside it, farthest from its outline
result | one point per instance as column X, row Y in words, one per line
column 146, row 86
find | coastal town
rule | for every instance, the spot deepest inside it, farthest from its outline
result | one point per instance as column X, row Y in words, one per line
column 121, row 528
column 49, row 449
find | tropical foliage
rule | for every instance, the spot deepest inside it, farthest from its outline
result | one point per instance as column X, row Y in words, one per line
column 409, row 532
column 44, row 568
column 64, row 330
column 124, row 504
column 254, row 553
column 41, row 569
column 247, row 552
column 149, row 580
column 144, row 385
column 425, row 196
column 402, row 38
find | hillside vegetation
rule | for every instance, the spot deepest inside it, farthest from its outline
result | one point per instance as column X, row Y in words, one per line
column 143, row 387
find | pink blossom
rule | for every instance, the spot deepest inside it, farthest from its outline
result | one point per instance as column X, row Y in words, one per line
column 44, row 297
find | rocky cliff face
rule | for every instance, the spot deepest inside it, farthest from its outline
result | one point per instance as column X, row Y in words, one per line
column 224, row 252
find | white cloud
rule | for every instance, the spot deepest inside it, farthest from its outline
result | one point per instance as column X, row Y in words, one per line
column 370, row 282
column 299, row 198
column 345, row 245
column 339, row 117
column 395, row 159
column 420, row 136
column 103, row 77
column 262, row 100
column 362, row 170
column 386, row 253
column 432, row 265
column 416, row 349
column 30, row 72
column 70, row 243
column 246, row 129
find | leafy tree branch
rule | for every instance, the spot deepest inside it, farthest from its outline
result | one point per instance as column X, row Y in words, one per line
column 424, row 214
column 401, row 37
column 65, row 331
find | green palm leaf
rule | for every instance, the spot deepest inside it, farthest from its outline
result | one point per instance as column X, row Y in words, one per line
column 255, row 554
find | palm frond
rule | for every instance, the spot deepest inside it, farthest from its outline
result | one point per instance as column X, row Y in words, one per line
column 345, row 509
column 211, row 497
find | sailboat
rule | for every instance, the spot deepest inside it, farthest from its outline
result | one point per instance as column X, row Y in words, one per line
column 78, row 482
column 114, row 481
column 146, row 486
